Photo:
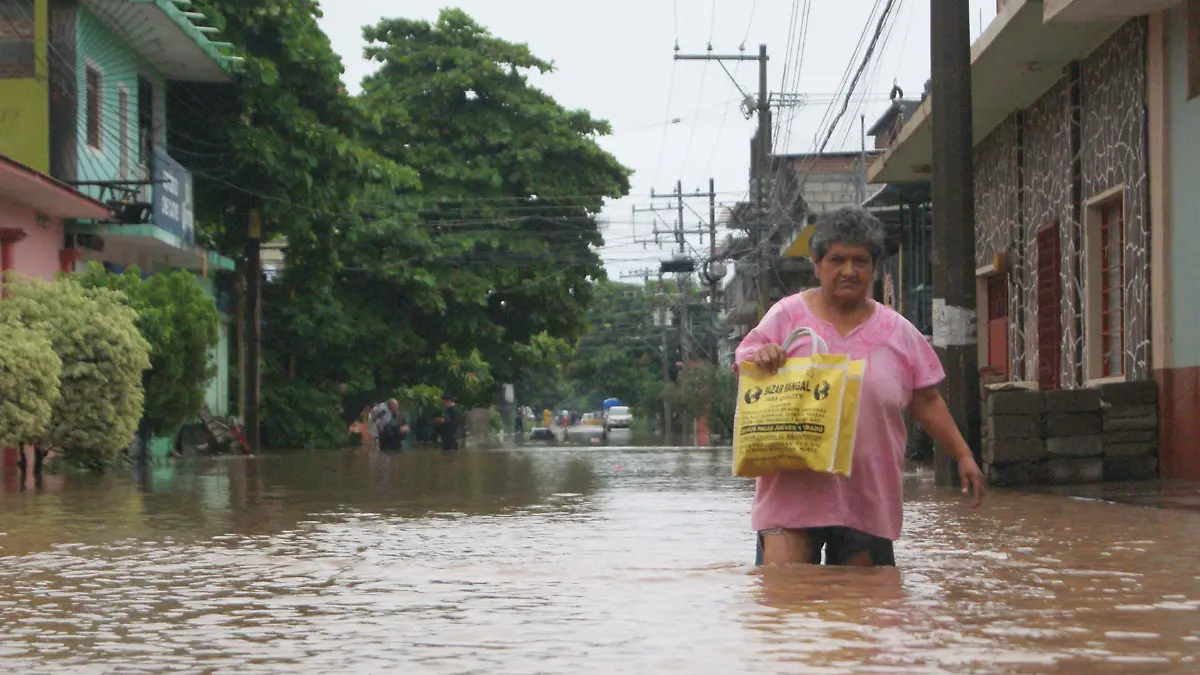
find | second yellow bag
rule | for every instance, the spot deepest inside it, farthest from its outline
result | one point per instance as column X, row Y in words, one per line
column 849, row 424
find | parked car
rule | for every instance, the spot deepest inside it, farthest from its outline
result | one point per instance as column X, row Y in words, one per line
column 618, row 417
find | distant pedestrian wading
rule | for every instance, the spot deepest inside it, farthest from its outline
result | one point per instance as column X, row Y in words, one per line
column 854, row 520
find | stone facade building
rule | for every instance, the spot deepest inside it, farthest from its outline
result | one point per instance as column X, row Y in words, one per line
column 1080, row 114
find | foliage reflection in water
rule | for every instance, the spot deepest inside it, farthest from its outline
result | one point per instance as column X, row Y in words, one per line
column 565, row 560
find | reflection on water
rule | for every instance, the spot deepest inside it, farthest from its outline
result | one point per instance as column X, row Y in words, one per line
column 565, row 560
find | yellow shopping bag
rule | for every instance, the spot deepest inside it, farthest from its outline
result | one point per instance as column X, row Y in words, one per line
column 798, row 417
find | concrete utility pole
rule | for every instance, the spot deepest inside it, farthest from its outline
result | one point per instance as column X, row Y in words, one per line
column 760, row 165
column 954, row 222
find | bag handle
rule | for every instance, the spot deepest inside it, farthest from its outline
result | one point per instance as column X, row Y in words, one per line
column 818, row 344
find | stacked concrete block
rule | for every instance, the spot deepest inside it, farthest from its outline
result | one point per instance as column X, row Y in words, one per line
column 1014, row 445
column 1130, row 430
column 1074, row 438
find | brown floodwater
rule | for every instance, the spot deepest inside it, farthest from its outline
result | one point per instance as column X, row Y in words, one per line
column 559, row 560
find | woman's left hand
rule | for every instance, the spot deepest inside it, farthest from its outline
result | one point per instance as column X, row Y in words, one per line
column 972, row 480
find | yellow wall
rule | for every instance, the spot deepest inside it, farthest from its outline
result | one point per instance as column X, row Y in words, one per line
column 25, row 106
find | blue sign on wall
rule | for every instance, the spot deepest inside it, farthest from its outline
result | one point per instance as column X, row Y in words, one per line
column 173, row 200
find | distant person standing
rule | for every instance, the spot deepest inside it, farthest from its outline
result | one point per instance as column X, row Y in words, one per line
column 448, row 424
column 546, row 418
column 385, row 425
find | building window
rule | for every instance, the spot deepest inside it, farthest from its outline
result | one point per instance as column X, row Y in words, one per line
column 1106, row 286
column 94, row 103
column 1049, row 306
column 123, row 122
column 145, row 120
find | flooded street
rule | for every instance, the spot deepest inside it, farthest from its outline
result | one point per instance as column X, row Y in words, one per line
column 557, row 560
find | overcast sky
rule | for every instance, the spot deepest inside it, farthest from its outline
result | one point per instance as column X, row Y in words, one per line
column 615, row 60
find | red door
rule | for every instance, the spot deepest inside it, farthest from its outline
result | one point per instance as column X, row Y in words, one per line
column 1049, row 302
column 997, row 324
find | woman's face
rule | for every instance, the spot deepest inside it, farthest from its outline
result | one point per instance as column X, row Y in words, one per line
column 846, row 272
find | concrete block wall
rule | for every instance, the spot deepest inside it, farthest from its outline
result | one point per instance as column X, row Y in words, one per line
column 1102, row 434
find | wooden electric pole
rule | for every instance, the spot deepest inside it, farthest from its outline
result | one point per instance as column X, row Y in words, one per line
column 954, row 223
column 252, row 335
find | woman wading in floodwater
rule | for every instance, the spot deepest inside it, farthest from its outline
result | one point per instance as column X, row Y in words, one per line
column 855, row 519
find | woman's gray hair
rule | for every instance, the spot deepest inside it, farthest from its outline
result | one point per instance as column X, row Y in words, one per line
column 849, row 225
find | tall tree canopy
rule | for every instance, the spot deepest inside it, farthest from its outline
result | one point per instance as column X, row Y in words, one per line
column 437, row 227
column 498, row 245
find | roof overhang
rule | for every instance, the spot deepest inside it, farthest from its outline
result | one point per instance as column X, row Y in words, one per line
column 1084, row 11
column 44, row 194
column 165, row 36
column 1016, row 60
column 158, row 246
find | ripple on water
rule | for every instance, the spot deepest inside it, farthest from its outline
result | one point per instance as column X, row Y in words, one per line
column 552, row 561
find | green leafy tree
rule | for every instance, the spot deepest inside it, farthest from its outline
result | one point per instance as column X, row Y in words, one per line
column 545, row 383
column 94, row 333
column 497, row 246
column 705, row 390
column 620, row 356
column 452, row 285
column 180, row 323
column 283, row 140
column 29, row 389
column 284, row 133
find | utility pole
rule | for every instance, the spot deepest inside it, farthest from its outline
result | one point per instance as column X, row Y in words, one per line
column 683, row 265
column 764, row 170
column 862, row 162
column 682, row 279
column 712, row 261
column 666, row 365
column 252, row 328
column 760, row 164
column 954, row 222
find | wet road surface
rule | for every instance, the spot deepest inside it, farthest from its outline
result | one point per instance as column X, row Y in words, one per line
column 557, row 560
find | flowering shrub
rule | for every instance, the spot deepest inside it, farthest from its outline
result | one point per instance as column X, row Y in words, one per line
column 103, row 357
column 29, row 371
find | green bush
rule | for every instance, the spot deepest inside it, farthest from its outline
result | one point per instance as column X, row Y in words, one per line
column 94, row 334
column 302, row 416
column 179, row 321
column 29, row 372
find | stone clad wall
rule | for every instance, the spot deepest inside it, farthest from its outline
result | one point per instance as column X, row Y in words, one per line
column 1024, row 182
column 1072, row 436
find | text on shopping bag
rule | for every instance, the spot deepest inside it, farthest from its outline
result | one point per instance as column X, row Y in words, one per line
column 790, row 419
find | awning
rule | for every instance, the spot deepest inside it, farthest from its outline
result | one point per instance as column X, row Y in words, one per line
column 44, row 194
column 1016, row 60
column 166, row 36
column 799, row 246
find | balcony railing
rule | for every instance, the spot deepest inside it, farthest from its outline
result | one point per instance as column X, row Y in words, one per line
column 162, row 197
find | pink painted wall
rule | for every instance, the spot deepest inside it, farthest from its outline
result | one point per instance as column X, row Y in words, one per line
column 37, row 254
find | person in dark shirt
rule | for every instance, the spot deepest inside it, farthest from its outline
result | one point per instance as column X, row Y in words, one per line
column 392, row 429
column 448, row 424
